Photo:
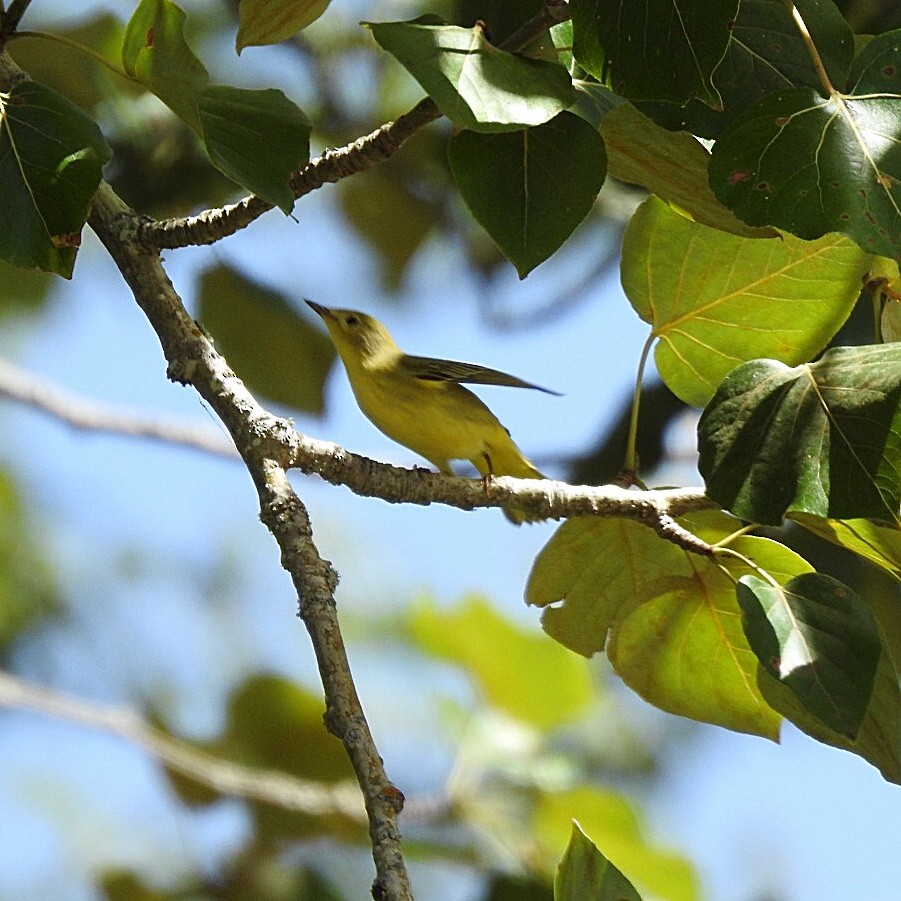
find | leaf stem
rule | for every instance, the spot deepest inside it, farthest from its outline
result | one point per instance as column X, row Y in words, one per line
column 812, row 51
column 74, row 45
column 630, row 463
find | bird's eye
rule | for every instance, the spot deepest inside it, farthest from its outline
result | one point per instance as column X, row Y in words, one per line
column 351, row 320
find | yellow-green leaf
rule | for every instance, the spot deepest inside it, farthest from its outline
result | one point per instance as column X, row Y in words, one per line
column 272, row 21
column 672, row 618
column 520, row 672
column 715, row 300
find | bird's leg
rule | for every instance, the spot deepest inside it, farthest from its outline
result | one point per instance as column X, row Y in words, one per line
column 489, row 473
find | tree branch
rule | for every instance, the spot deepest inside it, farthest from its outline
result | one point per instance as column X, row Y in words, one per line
column 261, row 440
column 369, row 478
column 227, row 778
column 88, row 415
column 376, row 147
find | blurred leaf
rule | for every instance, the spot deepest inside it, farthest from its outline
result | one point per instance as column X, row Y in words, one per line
column 51, row 161
column 273, row 348
column 504, row 887
column 715, row 300
column 273, row 21
column 812, row 165
column 476, row 85
column 27, row 586
column 520, row 672
column 669, row 620
column 816, row 636
column 610, row 822
column 823, row 438
column 70, row 71
column 585, row 873
column 123, row 885
column 22, row 290
column 256, row 138
column 380, row 195
column 672, row 166
column 530, row 189
column 657, row 50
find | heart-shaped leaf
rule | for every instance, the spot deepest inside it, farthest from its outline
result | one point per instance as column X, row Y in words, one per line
column 513, row 184
column 256, row 138
column 655, row 50
column 51, row 161
column 823, row 438
column 476, row 85
column 715, row 299
column 668, row 619
column 811, row 164
column 819, row 639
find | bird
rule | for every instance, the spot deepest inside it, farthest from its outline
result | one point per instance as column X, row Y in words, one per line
column 419, row 402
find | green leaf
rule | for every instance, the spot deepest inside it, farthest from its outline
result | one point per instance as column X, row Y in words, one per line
column 812, row 165
column 823, row 438
column 530, row 189
column 274, row 349
column 272, row 21
column 155, row 53
column 51, row 161
column 585, row 873
column 818, row 638
column 669, row 619
column 256, row 138
column 715, row 300
column 476, row 85
column 877, row 542
column 656, row 50
column 520, row 672
column 611, row 823
column 671, row 165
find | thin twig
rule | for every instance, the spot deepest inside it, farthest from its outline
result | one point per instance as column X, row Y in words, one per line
column 89, row 415
column 334, row 165
column 11, row 18
column 227, row 778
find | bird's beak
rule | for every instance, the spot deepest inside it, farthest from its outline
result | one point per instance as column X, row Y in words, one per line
column 324, row 312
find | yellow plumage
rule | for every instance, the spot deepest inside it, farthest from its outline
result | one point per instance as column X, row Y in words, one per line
column 419, row 401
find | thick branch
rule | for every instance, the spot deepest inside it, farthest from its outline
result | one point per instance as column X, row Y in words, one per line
column 260, row 439
column 547, row 498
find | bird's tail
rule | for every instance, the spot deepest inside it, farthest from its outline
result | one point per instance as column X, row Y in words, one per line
column 509, row 461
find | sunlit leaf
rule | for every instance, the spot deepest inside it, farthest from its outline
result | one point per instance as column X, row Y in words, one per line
column 272, row 347
column 519, row 671
column 669, row 620
column 585, row 873
column 272, row 21
column 656, row 50
column 715, row 300
column 823, row 438
column 508, row 182
column 476, row 85
column 51, row 161
column 815, row 636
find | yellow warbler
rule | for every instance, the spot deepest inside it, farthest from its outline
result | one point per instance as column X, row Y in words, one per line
column 420, row 403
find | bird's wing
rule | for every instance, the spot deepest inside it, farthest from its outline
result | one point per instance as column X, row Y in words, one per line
column 432, row 370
